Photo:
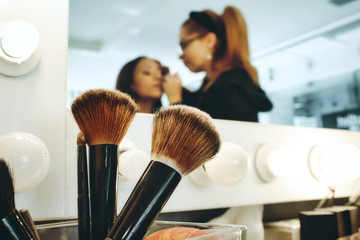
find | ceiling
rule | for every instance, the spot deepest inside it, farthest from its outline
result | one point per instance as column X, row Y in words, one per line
column 143, row 25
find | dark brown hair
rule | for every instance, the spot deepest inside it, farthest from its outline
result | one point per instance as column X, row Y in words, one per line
column 125, row 80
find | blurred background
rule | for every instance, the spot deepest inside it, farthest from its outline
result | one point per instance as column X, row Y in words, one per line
column 307, row 52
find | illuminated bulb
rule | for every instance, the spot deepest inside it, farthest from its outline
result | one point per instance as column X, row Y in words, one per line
column 334, row 163
column 19, row 48
column 28, row 158
column 272, row 163
column 19, row 41
column 277, row 162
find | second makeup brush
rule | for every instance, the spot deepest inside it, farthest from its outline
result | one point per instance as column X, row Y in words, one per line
column 104, row 117
column 12, row 225
column 83, row 189
column 30, row 222
column 183, row 139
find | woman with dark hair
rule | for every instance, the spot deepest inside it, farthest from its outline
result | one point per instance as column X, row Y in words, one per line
column 142, row 79
column 218, row 45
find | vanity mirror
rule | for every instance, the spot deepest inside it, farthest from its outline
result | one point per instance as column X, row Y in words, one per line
column 35, row 102
column 306, row 52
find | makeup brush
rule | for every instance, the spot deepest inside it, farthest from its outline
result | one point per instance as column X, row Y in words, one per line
column 83, row 189
column 183, row 139
column 104, row 117
column 12, row 224
column 25, row 214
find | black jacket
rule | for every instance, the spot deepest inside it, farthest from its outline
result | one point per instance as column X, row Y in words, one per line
column 233, row 96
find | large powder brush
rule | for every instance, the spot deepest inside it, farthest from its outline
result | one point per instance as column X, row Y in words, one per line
column 183, row 139
column 104, row 117
column 184, row 136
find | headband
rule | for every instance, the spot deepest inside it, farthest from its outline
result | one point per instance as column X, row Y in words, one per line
column 205, row 20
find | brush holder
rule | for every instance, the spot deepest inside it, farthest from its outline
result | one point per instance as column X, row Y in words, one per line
column 68, row 230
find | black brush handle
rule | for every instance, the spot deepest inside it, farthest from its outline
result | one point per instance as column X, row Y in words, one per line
column 147, row 199
column 16, row 227
column 103, row 174
column 30, row 222
column 83, row 195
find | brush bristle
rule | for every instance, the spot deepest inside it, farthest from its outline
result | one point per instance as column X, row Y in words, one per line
column 81, row 140
column 103, row 115
column 186, row 135
column 7, row 195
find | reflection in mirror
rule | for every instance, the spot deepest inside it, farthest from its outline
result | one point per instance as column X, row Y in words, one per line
column 306, row 52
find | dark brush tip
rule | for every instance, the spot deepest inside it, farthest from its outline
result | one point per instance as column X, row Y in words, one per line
column 7, row 195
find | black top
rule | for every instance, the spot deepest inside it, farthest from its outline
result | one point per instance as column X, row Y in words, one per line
column 233, row 96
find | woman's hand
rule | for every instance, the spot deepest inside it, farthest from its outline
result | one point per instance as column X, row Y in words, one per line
column 173, row 88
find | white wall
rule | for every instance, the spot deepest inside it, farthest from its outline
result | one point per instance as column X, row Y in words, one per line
column 35, row 103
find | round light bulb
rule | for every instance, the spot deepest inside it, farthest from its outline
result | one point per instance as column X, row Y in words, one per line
column 334, row 163
column 19, row 41
column 229, row 166
column 273, row 162
column 19, row 48
column 28, row 158
column 200, row 177
column 132, row 161
column 277, row 162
